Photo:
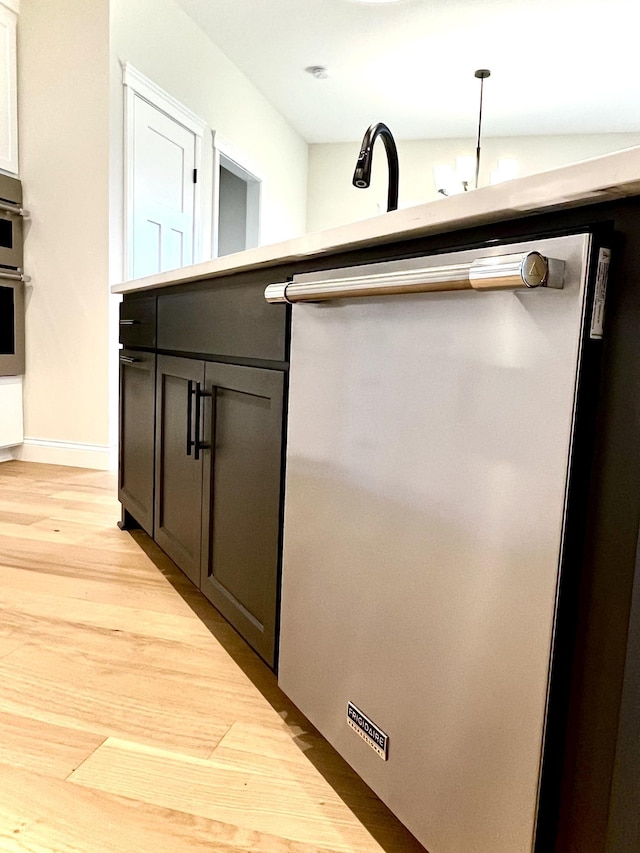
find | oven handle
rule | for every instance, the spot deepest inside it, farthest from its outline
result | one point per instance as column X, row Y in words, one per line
column 18, row 275
column 10, row 207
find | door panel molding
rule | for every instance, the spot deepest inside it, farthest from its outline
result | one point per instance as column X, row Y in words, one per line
column 161, row 99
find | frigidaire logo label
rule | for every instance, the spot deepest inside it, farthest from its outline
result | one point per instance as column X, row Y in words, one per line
column 368, row 731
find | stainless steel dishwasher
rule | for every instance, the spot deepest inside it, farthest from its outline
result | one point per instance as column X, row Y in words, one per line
column 431, row 441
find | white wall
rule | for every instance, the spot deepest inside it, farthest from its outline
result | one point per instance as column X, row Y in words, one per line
column 63, row 83
column 332, row 200
column 161, row 40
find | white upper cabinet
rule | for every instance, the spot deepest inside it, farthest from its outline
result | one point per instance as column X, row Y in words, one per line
column 8, row 87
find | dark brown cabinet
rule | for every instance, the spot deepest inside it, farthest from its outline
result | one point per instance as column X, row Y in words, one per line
column 178, row 492
column 136, row 446
column 218, row 486
column 241, row 509
column 201, row 441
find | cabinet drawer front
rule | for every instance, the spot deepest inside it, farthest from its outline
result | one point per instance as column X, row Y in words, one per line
column 223, row 320
column 138, row 322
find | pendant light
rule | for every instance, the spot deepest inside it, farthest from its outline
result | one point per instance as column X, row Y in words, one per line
column 450, row 180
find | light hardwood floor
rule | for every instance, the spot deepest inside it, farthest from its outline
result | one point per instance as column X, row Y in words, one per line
column 132, row 717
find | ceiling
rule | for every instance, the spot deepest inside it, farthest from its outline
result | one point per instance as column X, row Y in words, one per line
column 557, row 66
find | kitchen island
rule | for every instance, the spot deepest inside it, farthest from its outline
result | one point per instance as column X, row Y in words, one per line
column 204, row 389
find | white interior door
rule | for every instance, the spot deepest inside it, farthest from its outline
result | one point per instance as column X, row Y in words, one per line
column 163, row 187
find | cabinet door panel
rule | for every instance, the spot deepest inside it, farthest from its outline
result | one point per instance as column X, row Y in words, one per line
column 240, row 572
column 137, row 412
column 178, row 499
column 8, row 91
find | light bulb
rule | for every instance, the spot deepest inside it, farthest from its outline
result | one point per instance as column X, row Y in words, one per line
column 443, row 178
column 466, row 168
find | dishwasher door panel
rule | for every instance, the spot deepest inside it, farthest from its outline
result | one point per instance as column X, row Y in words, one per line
column 428, row 448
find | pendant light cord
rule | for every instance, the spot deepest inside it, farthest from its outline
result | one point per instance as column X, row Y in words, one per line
column 482, row 74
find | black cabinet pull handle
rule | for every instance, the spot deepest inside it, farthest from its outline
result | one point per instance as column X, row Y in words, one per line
column 129, row 359
column 214, row 419
column 199, row 445
column 129, row 322
column 190, row 392
column 196, row 430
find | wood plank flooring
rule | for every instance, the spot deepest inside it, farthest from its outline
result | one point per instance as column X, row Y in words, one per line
column 132, row 717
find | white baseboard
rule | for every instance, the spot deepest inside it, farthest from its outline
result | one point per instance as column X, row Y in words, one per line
column 98, row 456
column 7, row 454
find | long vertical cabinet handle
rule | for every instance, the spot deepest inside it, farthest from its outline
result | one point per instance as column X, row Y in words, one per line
column 189, row 415
column 199, row 445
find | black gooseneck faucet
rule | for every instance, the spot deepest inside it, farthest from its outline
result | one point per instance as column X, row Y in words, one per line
column 362, row 174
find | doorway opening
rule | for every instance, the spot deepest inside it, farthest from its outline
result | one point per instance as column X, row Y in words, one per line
column 236, row 220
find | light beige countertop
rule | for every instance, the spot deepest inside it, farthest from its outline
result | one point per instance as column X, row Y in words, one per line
column 603, row 178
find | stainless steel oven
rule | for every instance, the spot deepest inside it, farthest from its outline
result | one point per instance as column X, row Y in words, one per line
column 11, row 223
column 12, row 278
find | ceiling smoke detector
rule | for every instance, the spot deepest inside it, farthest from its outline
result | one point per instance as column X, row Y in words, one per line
column 318, row 71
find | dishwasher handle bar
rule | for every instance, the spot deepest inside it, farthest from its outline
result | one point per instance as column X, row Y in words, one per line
column 523, row 270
